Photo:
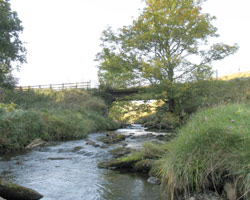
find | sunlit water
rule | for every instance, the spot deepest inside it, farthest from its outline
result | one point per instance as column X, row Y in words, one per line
column 57, row 172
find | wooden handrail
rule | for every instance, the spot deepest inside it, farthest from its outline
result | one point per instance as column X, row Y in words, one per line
column 61, row 86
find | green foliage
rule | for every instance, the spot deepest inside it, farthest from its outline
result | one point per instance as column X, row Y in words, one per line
column 189, row 97
column 49, row 115
column 159, row 120
column 211, row 148
column 19, row 127
column 236, row 75
column 149, row 151
column 77, row 100
column 129, row 111
column 12, row 51
column 160, row 45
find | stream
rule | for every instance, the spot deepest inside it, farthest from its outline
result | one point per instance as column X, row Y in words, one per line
column 68, row 171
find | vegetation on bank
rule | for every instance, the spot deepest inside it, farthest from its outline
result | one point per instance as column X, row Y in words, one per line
column 211, row 149
column 189, row 98
column 212, row 143
column 49, row 115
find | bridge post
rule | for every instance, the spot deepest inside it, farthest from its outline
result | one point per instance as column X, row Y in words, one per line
column 89, row 85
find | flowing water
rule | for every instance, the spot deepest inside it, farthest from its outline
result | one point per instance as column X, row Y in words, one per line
column 68, row 171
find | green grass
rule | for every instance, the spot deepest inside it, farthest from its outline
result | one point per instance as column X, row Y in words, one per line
column 211, row 148
column 49, row 115
column 200, row 94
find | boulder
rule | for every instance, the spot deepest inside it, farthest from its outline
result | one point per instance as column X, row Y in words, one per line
column 11, row 191
column 59, row 158
column 117, row 164
column 120, row 151
column 77, row 148
column 144, row 165
column 90, row 142
column 123, row 125
column 36, row 143
column 165, row 137
column 112, row 138
column 154, row 180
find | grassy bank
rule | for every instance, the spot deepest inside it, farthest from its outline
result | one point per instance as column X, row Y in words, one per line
column 211, row 149
column 49, row 115
column 192, row 96
column 212, row 146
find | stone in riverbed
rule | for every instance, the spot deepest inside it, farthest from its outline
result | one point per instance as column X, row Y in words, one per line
column 37, row 143
column 77, row 148
column 16, row 192
column 128, row 164
column 90, row 142
column 59, row 158
column 112, row 138
column 165, row 137
column 144, row 165
column 116, row 164
column 154, row 180
column 120, row 151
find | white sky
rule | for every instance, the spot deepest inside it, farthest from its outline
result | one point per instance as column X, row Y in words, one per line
column 63, row 36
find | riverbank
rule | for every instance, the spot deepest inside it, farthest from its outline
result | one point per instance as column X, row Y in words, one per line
column 210, row 154
column 49, row 115
column 69, row 169
column 189, row 97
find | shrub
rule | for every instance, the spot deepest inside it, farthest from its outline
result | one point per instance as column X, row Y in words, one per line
column 49, row 115
column 19, row 127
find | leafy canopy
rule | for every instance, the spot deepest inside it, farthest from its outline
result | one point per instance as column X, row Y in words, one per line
column 12, row 51
column 168, row 42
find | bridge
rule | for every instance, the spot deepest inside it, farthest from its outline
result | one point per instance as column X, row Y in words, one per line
column 61, row 86
column 109, row 95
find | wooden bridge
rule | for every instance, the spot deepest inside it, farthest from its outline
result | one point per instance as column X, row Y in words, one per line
column 109, row 95
column 62, row 86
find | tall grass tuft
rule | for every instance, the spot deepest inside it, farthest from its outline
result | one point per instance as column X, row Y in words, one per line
column 212, row 148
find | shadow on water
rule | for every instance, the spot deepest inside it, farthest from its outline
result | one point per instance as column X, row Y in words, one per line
column 69, row 171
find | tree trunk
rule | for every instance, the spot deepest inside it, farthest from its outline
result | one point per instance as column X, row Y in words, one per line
column 171, row 105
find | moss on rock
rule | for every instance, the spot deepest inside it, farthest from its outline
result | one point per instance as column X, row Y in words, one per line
column 13, row 191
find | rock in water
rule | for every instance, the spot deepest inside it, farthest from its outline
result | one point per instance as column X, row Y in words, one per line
column 36, row 143
column 16, row 192
column 154, row 180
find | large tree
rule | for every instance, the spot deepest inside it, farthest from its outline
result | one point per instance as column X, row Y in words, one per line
column 167, row 43
column 12, row 51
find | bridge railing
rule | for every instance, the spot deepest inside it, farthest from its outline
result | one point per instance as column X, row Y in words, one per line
column 62, row 86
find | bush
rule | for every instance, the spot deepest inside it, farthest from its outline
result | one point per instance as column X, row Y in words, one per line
column 19, row 127
column 211, row 148
column 49, row 115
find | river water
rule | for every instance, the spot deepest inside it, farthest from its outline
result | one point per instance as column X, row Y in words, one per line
column 68, row 171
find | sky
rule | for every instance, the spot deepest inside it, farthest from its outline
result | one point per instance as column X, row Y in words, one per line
column 62, row 37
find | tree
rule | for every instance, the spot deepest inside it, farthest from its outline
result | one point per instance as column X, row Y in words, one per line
column 166, row 44
column 12, row 51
